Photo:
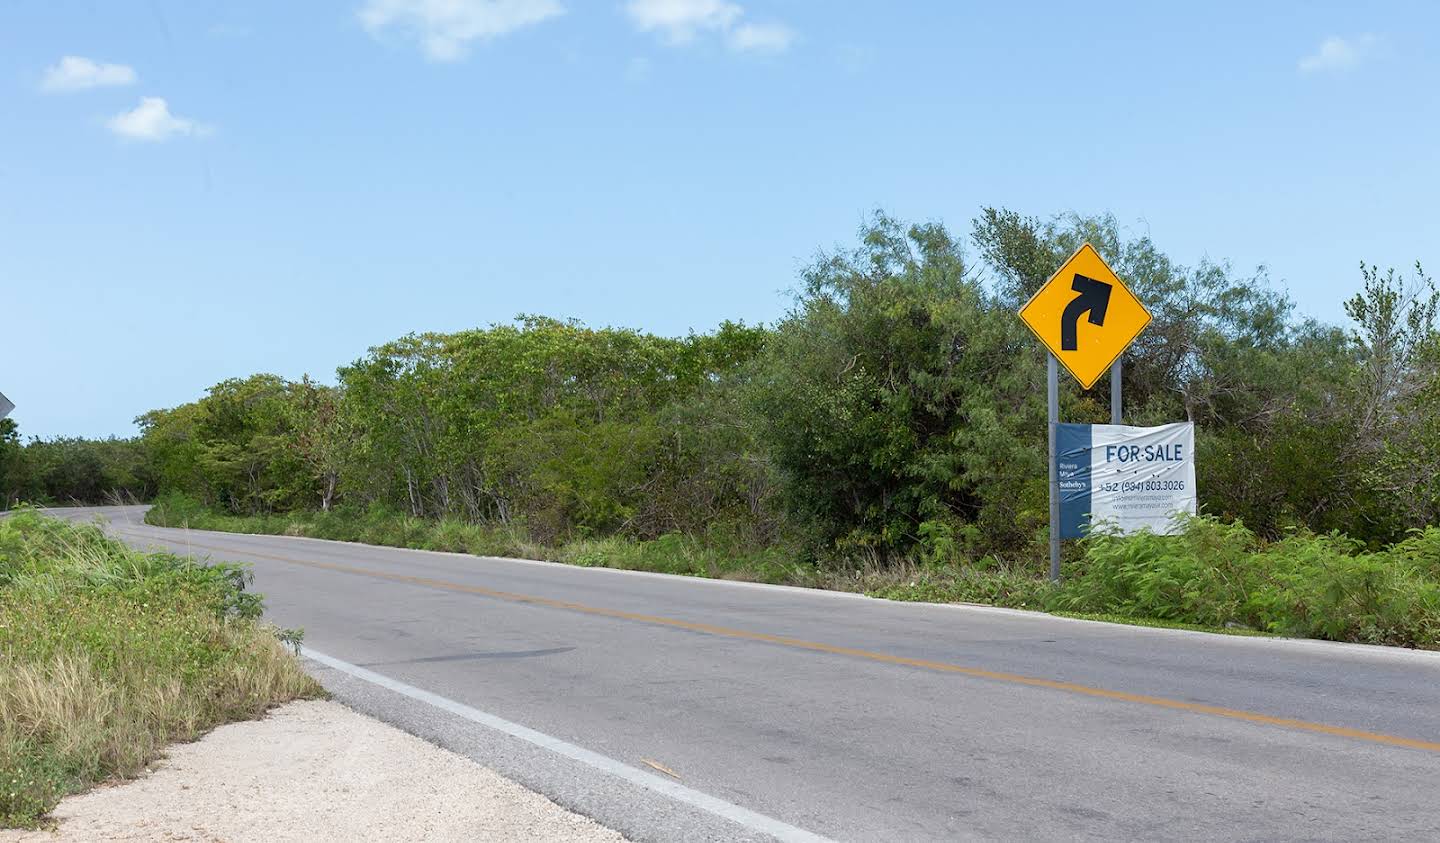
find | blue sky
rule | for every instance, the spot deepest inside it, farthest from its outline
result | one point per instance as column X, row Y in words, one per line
column 206, row 189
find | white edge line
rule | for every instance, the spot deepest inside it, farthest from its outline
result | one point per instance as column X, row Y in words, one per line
column 665, row 787
column 1317, row 646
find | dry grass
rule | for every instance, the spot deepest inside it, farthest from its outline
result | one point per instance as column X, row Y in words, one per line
column 107, row 655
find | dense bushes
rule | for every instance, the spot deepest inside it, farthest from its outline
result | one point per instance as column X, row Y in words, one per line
column 563, row 428
column 66, row 470
column 1218, row 575
column 107, row 655
column 1215, row 574
column 896, row 412
column 899, row 392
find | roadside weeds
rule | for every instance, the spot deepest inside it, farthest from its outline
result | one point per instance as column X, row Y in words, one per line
column 1212, row 576
column 107, row 655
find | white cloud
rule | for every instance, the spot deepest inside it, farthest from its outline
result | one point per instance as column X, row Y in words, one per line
column 678, row 21
column 1336, row 54
column 761, row 37
column 151, row 120
column 76, row 73
column 445, row 28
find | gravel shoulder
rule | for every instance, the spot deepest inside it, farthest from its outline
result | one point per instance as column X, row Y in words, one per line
column 314, row 771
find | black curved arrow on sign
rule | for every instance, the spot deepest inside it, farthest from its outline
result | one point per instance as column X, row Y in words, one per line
column 1094, row 298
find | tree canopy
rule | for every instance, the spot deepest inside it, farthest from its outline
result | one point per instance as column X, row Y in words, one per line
column 896, row 408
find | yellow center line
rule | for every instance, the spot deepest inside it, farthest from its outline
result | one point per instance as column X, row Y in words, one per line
column 869, row 655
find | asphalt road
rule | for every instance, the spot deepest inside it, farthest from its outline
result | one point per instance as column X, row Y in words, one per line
column 852, row 718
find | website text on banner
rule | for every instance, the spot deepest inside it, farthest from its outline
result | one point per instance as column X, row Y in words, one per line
column 1124, row 478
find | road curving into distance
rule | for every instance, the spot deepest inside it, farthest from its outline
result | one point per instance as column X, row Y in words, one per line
column 675, row 708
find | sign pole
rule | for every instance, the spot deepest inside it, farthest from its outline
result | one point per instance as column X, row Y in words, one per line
column 1052, row 392
column 1115, row 392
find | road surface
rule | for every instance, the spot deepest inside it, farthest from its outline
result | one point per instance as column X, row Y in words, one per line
column 680, row 709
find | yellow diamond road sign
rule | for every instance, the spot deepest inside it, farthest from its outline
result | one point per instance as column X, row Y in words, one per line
column 1085, row 315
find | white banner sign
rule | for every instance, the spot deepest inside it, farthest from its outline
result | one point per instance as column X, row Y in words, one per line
column 1122, row 477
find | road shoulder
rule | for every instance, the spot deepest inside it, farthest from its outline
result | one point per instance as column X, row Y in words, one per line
column 312, row 771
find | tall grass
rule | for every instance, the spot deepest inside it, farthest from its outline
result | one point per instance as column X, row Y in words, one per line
column 714, row 555
column 108, row 654
column 1213, row 575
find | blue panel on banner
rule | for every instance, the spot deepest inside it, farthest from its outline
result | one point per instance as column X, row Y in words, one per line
column 1072, row 464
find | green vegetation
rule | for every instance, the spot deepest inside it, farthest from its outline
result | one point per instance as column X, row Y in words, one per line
column 672, row 553
column 896, row 412
column 1212, row 576
column 68, row 470
column 886, row 435
column 1304, row 585
column 108, row 654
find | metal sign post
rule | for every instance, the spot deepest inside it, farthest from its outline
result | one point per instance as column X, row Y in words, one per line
column 1052, row 392
column 1115, row 379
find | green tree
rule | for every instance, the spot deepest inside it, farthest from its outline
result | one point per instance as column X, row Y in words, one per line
column 898, row 392
column 12, row 464
column 321, row 436
column 1394, row 403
